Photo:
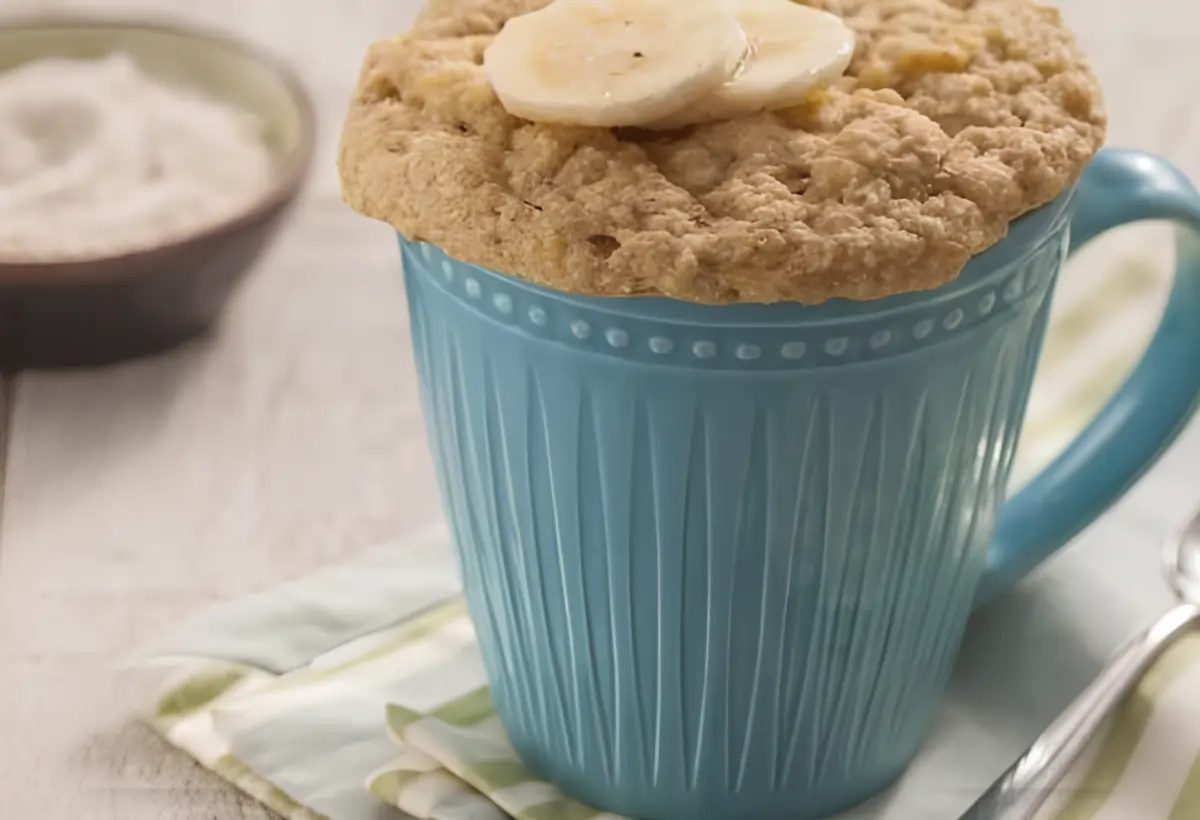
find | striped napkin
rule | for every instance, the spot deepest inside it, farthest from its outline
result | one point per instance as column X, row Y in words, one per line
column 358, row 693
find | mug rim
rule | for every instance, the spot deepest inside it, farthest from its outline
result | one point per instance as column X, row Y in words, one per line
column 1026, row 235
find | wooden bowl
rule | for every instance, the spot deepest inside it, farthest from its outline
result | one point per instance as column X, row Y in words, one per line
column 99, row 311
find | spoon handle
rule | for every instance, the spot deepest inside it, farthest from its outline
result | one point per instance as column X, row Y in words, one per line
column 1024, row 788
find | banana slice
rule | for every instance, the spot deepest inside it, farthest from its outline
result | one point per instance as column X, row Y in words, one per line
column 793, row 49
column 614, row 63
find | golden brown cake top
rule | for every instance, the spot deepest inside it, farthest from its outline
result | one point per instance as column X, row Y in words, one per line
column 954, row 118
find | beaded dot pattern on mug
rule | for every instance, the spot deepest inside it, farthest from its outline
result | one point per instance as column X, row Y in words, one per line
column 609, row 332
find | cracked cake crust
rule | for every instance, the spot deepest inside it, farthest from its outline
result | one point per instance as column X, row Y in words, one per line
column 955, row 117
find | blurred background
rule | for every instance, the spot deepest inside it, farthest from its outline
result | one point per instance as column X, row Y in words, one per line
column 135, row 494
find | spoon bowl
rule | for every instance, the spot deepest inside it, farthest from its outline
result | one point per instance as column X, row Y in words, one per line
column 1182, row 555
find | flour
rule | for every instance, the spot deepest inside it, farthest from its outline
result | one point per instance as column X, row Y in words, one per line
column 99, row 159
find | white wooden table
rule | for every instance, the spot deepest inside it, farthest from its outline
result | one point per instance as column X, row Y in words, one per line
column 135, row 495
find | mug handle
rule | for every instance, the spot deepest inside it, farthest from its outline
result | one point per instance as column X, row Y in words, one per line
column 1155, row 402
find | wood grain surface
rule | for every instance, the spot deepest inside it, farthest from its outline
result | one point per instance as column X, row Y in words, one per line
column 137, row 494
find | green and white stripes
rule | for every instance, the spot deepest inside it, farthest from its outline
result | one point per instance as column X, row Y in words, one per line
column 458, row 756
column 1148, row 766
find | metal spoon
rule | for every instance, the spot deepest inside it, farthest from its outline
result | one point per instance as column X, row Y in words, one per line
column 1020, row 793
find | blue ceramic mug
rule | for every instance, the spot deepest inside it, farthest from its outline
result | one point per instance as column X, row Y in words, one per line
column 720, row 558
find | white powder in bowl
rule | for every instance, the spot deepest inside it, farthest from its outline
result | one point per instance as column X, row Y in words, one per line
column 98, row 159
